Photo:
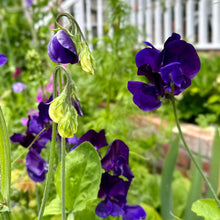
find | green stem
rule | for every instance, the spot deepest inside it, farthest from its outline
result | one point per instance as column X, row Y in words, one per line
column 50, row 171
column 52, row 154
column 190, row 153
column 63, row 151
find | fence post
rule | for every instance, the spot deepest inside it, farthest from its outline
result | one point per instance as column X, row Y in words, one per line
column 79, row 12
column 88, row 20
column 167, row 19
column 215, row 21
column 140, row 20
column 149, row 21
column 178, row 17
column 99, row 19
column 190, row 18
column 203, row 22
column 158, row 23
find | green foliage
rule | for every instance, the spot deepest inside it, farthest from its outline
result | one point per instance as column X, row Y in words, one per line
column 214, row 175
column 204, row 91
column 207, row 208
column 167, row 176
column 82, row 177
column 5, row 163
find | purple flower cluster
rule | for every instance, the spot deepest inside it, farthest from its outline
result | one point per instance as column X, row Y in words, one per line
column 37, row 167
column 113, row 189
column 168, row 70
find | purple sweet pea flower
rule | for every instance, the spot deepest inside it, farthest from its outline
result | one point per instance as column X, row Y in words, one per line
column 116, row 159
column 114, row 190
column 97, row 139
column 3, row 59
column 61, row 48
column 175, row 65
column 37, row 167
column 135, row 212
column 18, row 87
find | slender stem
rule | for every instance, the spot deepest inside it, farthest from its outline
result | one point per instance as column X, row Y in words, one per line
column 50, row 171
column 27, row 149
column 191, row 155
column 52, row 154
column 63, row 151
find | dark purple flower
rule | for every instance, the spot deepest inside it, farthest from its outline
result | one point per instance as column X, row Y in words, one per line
column 37, row 167
column 61, row 48
column 108, row 207
column 145, row 96
column 18, row 87
column 3, row 59
column 175, row 65
column 114, row 191
column 97, row 139
column 133, row 213
column 116, row 159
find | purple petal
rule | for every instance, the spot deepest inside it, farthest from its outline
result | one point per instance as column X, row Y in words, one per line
column 184, row 53
column 18, row 87
column 150, row 56
column 134, row 213
column 172, row 73
column 72, row 140
column 3, row 59
column 44, row 111
column 116, row 159
column 35, row 124
column 173, row 37
column 103, row 209
column 97, row 139
column 77, row 106
column 61, row 48
column 145, row 96
column 36, row 166
column 24, row 140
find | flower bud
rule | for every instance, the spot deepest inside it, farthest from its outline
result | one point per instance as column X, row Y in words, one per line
column 57, row 107
column 87, row 60
column 67, row 126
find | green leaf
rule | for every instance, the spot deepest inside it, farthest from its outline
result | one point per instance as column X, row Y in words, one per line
column 152, row 214
column 214, row 165
column 5, row 160
column 166, row 182
column 54, row 208
column 82, row 177
column 194, row 193
column 207, row 208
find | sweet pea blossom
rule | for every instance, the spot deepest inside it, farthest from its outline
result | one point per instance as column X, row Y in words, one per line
column 97, row 139
column 3, row 59
column 61, row 49
column 116, row 159
column 174, row 66
column 18, row 87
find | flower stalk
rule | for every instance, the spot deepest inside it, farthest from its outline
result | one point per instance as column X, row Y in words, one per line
column 63, row 152
column 190, row 153
column 52, row 155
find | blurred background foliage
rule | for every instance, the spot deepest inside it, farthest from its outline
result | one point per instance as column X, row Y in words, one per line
column 105, row 100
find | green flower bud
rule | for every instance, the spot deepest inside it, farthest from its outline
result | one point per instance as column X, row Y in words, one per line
column 86, row 60
column 57, row 107
column 67, row 126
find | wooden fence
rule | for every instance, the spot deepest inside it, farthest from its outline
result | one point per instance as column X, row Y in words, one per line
column 198, row 21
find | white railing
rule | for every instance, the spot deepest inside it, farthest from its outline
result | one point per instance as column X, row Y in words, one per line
column 198, row 21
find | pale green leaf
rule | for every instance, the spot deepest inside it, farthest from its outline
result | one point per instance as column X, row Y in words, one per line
column 54, row 208
column 82, row 177
column 207, row 208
